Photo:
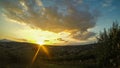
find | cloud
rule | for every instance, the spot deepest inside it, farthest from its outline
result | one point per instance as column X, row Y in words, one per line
column 84, row 35
column 53, row 15
column 107, row 3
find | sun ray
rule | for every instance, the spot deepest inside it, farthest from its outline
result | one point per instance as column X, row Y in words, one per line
column 35, row 56
column 46, row 51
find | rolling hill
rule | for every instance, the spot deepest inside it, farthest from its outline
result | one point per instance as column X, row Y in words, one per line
column 20, row 55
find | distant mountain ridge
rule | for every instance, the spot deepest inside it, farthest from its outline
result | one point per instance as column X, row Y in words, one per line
column 6, row 40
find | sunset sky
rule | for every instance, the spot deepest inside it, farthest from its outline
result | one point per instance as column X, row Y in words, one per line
column 56, row 21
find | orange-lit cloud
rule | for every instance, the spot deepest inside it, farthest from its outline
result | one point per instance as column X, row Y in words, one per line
column 53, row 16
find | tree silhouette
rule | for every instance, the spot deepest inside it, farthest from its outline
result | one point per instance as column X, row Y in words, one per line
column 109, row 46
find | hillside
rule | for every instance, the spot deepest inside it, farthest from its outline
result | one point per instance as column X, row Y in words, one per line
column 13, row 53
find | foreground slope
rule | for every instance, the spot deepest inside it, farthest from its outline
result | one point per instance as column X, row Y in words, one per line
column 20, row 55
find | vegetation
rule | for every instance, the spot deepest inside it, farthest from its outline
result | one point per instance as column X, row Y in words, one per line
column 109, row 49
column 19, row 55
column 104, row 54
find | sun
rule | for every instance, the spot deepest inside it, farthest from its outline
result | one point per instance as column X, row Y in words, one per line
column 40, row 42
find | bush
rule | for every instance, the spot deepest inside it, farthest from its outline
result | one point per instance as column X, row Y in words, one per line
column 109, row 46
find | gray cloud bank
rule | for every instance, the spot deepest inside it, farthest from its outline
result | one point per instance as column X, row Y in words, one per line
column 53, row 15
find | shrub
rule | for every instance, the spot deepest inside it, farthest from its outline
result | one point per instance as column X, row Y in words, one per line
column 109, row 46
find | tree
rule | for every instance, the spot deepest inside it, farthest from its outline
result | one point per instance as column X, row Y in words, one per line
column 109, row 46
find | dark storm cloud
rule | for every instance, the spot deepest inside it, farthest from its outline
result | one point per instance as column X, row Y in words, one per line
column 84, row 35
column 53, row 15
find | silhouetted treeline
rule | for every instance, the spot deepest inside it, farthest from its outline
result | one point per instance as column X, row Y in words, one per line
column 108, row 54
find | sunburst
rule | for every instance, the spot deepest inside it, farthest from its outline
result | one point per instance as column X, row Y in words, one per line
column 40, row 47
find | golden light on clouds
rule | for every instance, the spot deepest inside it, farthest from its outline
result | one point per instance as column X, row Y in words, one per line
column 50, row 23
column 42, row 37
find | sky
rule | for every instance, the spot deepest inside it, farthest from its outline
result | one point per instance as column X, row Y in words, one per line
column 66, row 22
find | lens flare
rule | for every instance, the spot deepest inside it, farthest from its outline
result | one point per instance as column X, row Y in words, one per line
column 35, row 56
column 45, row 50
column 40, row 42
